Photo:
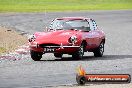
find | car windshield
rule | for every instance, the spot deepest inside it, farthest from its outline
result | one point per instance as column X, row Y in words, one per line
column 70, row 24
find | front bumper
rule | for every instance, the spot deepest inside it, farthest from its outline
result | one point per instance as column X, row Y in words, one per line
column 58, row 49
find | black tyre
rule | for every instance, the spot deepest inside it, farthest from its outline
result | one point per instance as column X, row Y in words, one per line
column 57, row 55
column 99, row 51
column 79, row 54
column 36, row 56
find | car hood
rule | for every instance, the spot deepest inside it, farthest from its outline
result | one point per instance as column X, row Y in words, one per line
column 56, row 37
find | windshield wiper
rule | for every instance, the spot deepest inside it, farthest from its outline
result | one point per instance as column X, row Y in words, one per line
column 73, row 29
column 59, row 29
column 86, row 30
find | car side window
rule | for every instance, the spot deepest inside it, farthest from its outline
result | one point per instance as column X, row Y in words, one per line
column 93, row 25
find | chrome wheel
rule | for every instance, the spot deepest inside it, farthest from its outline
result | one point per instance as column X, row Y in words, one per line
column 79, row 54
column 99, row 51
column 101, row 48
column 81, row 51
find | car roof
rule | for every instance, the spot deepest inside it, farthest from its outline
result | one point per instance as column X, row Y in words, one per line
column 73, row 18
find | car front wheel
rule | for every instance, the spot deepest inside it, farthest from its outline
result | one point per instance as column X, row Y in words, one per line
column 36, row 56
column 99, row 51
column 79, row 54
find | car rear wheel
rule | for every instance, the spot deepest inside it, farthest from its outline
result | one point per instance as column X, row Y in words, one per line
column 57, row 55
column 79, row 54
column 36, row 56
column 99, row 51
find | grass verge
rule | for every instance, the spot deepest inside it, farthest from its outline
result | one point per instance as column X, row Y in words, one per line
column 62, row 5
column 10, row 40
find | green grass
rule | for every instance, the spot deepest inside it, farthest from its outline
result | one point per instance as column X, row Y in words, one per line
column 2, row 50
column 62, row 5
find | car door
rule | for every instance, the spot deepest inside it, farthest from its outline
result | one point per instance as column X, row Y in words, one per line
column 92, row 35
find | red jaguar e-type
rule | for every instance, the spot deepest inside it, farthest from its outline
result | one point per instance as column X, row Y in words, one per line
column 68, row 35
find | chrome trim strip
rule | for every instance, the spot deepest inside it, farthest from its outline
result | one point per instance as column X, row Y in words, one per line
column 61, row 46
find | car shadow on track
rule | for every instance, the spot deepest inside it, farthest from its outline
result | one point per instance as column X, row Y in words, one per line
column 90, row 58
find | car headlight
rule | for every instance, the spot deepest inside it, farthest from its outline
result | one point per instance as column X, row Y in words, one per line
column 72, row 39
column 31, row 38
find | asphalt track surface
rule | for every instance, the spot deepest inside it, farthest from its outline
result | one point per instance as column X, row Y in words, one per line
column 50, row 71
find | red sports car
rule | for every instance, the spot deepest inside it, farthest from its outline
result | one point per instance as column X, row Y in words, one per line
column 68, row 35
